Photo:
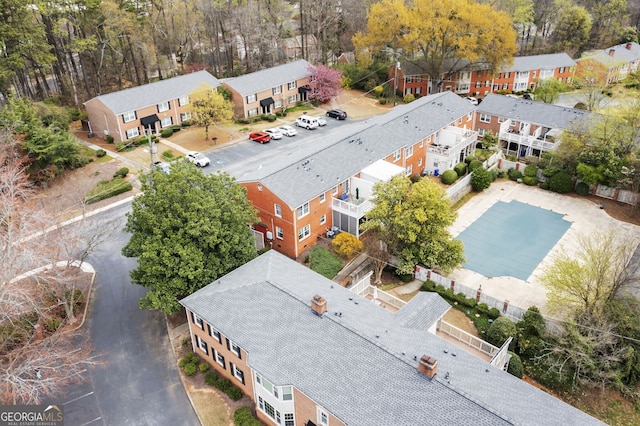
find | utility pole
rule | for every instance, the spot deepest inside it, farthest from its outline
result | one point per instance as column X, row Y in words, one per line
column 150, row 146
column 395, row 82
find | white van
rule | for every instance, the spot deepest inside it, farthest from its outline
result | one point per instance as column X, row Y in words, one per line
column 307, row 122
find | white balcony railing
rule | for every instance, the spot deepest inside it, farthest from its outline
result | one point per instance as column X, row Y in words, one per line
column 527, row 140
column 358, row 209
column 468, row 339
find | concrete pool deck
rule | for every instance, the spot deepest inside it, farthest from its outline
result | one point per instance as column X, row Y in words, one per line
column 584, row 215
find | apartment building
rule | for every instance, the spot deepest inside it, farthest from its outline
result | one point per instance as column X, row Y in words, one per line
column 527, row 128
column 610, row 65
column 300, row 196
column 128, row 113
column 269, row 90
column 311, row 352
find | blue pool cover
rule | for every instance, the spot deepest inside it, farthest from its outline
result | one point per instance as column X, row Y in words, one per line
column 511, row 239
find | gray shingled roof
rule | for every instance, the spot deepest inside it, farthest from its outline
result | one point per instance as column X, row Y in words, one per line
column 552, row 116
column 255, row 82
column 360, row 365
column 348, row 151
column 155, row 93
column 543, row 62
column 621, row 54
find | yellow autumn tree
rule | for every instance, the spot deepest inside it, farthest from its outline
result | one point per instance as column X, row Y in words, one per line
column 209, row 107
column 347, row 245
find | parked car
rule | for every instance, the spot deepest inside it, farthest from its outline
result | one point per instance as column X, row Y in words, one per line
column 261, row 137
column 198, row 159
column 274, row 133
column 338, row 114
column 474, row 101
column 162, row 166
column 288, row 130
column 307, row 122
column 321, row 121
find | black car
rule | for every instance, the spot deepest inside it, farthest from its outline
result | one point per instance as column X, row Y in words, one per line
column 338, row 114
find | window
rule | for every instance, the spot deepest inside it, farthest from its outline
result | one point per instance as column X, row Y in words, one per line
column 505, row 86
column 323, row 219
column 418, row 78
column 132, row 133
column 197, row 320
column 261, row 403
column 165, row 122
column 322, row 197
column 293, row 99
column 303, row 210
column 287, row 394
column 304, row 232
column 562, row 69
column 334, row 190
column 184, row 116
column 481, row 132
column 236, row 349
column 164, row 106
column 396, row 155
column 278, row 210
column 408, row 151
column 418, row 90
column 501, row 119
column 478, row 84
column 323, row 418
column 279, row 233
column 183, row 100
column 278, row 420
column 419, row 162
column 421, row 143
column 214, row 333
column 268, row 408
column 507, row 75
column 288, row 419
column 128, row 116
column 277, row 103
column 220, row 360
column 292, row 85
column 202, row 345
column 409, row 169
column 485, row 118
column 252, row 98
column 259, row 187
column 276, row 90
column 275, row 392
column 534, row 74
column 252, row 112
column 238, row 374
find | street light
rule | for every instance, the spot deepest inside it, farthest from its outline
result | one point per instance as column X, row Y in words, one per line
column 395, row 82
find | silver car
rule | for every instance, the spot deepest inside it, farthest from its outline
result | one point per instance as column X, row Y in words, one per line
column 288, row 130
column 198, row 159
column 274, row 132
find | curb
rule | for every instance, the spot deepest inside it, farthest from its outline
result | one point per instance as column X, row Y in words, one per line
column 88, row 296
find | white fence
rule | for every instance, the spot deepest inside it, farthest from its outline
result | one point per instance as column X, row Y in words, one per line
column 468, row 339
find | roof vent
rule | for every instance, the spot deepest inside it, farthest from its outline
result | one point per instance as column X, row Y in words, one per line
column 319, row 305
column 428, row 366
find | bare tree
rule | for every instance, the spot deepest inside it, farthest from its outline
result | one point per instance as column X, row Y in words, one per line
column 376, row 249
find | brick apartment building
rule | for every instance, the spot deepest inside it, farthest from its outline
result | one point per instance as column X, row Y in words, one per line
column 610, row 65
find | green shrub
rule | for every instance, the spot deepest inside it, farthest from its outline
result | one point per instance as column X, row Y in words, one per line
column 176, row 128
column 383, row 101
column 167, row 155
column 52, row 324
column 561, row 183
column 109, row 139
column 460, row 169
column 493, row 313
column 244, row 417
column 210, row 378
column 203, row 366
column 481, row 179
column 415, row 178
column 544, row 185
column 109, row 189
column 101, row 153
column 500, row 330
column 514, row 174
column 474, row 165
column 121, row 146
column 234, row 393
column 269, row 117
column 187, row 123
column 515, row 368
column 166, row 133
column 324, row 262
column 185, row 341
column 190, row 369
column 405, row 278
column 449, row 176
column 531, row 170
column 470, row 158
column 121, row 172
column 428, row 286
column 582, row 188
column 530, row 180
column 408, row 98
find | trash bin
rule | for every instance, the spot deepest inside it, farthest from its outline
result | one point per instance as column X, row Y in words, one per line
column 436, row 172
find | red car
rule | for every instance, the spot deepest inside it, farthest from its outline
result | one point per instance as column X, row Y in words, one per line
column 261, row 137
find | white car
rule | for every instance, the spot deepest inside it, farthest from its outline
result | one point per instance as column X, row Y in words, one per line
column 308, row 123
column 321, row 121
column 274, row 132
column 474, row 101
column 198, row 159
column 162, row 166
column 288, row 130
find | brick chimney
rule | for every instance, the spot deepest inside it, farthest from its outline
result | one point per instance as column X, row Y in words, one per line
column 612, row 52
column 428, row 366
column 628, row 46
column 319, row 305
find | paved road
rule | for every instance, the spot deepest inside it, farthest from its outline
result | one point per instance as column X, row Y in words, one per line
column 140, row 383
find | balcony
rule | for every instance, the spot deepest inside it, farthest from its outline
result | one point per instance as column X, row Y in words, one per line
column 357, row 208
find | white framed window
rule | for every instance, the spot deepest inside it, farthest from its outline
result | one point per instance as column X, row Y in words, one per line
column 132, row 133
column 277, row 103
column 214, row 333
column 166, row 122
column 252, row 98
column 183, row 100
column 303, row 210
column 421, row 143
column 409, row 170
column 396, row 155
column 408, row 151
column 238, row 374
column 197, row 320
column 505, row 86
column 220, row 359
column 252, row 112
column 323, row 219
column 128, row 116
column 289, row 419
column 512, row 123
column 234, row 348
column 276, row 90
column 202, row 345
column 323, row 417
column 184, row 116
column 292, row 85
column 293, row 99
column 533, row 73
column 322, row 197
column 304, row 232
column 268, row 408
column 334, row 190
column 481, row 132
column 279, row 233
column 419, row 162
column 287, row 393
column 501, row 119
column 259, row 187
column 485, row 118
column 164, row 106
column 277, row 210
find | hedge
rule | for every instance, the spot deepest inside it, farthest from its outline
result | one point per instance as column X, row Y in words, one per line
column 121, row 172
column 531, row 170
column 582, row 188
column 561, row 183
column 515, row 367
column 474, row 165
column 166, row 133
column 530, row 180
column 460, row 169
column 449, row 176
column 470, row 158
column 101, row 153
column 514, row 174
column 244, row 417
column 212, row 379
column 107, row 189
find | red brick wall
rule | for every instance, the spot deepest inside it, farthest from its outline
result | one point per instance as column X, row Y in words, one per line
column 306, row 409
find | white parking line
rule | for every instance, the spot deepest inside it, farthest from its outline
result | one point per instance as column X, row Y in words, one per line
column 80, row 397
